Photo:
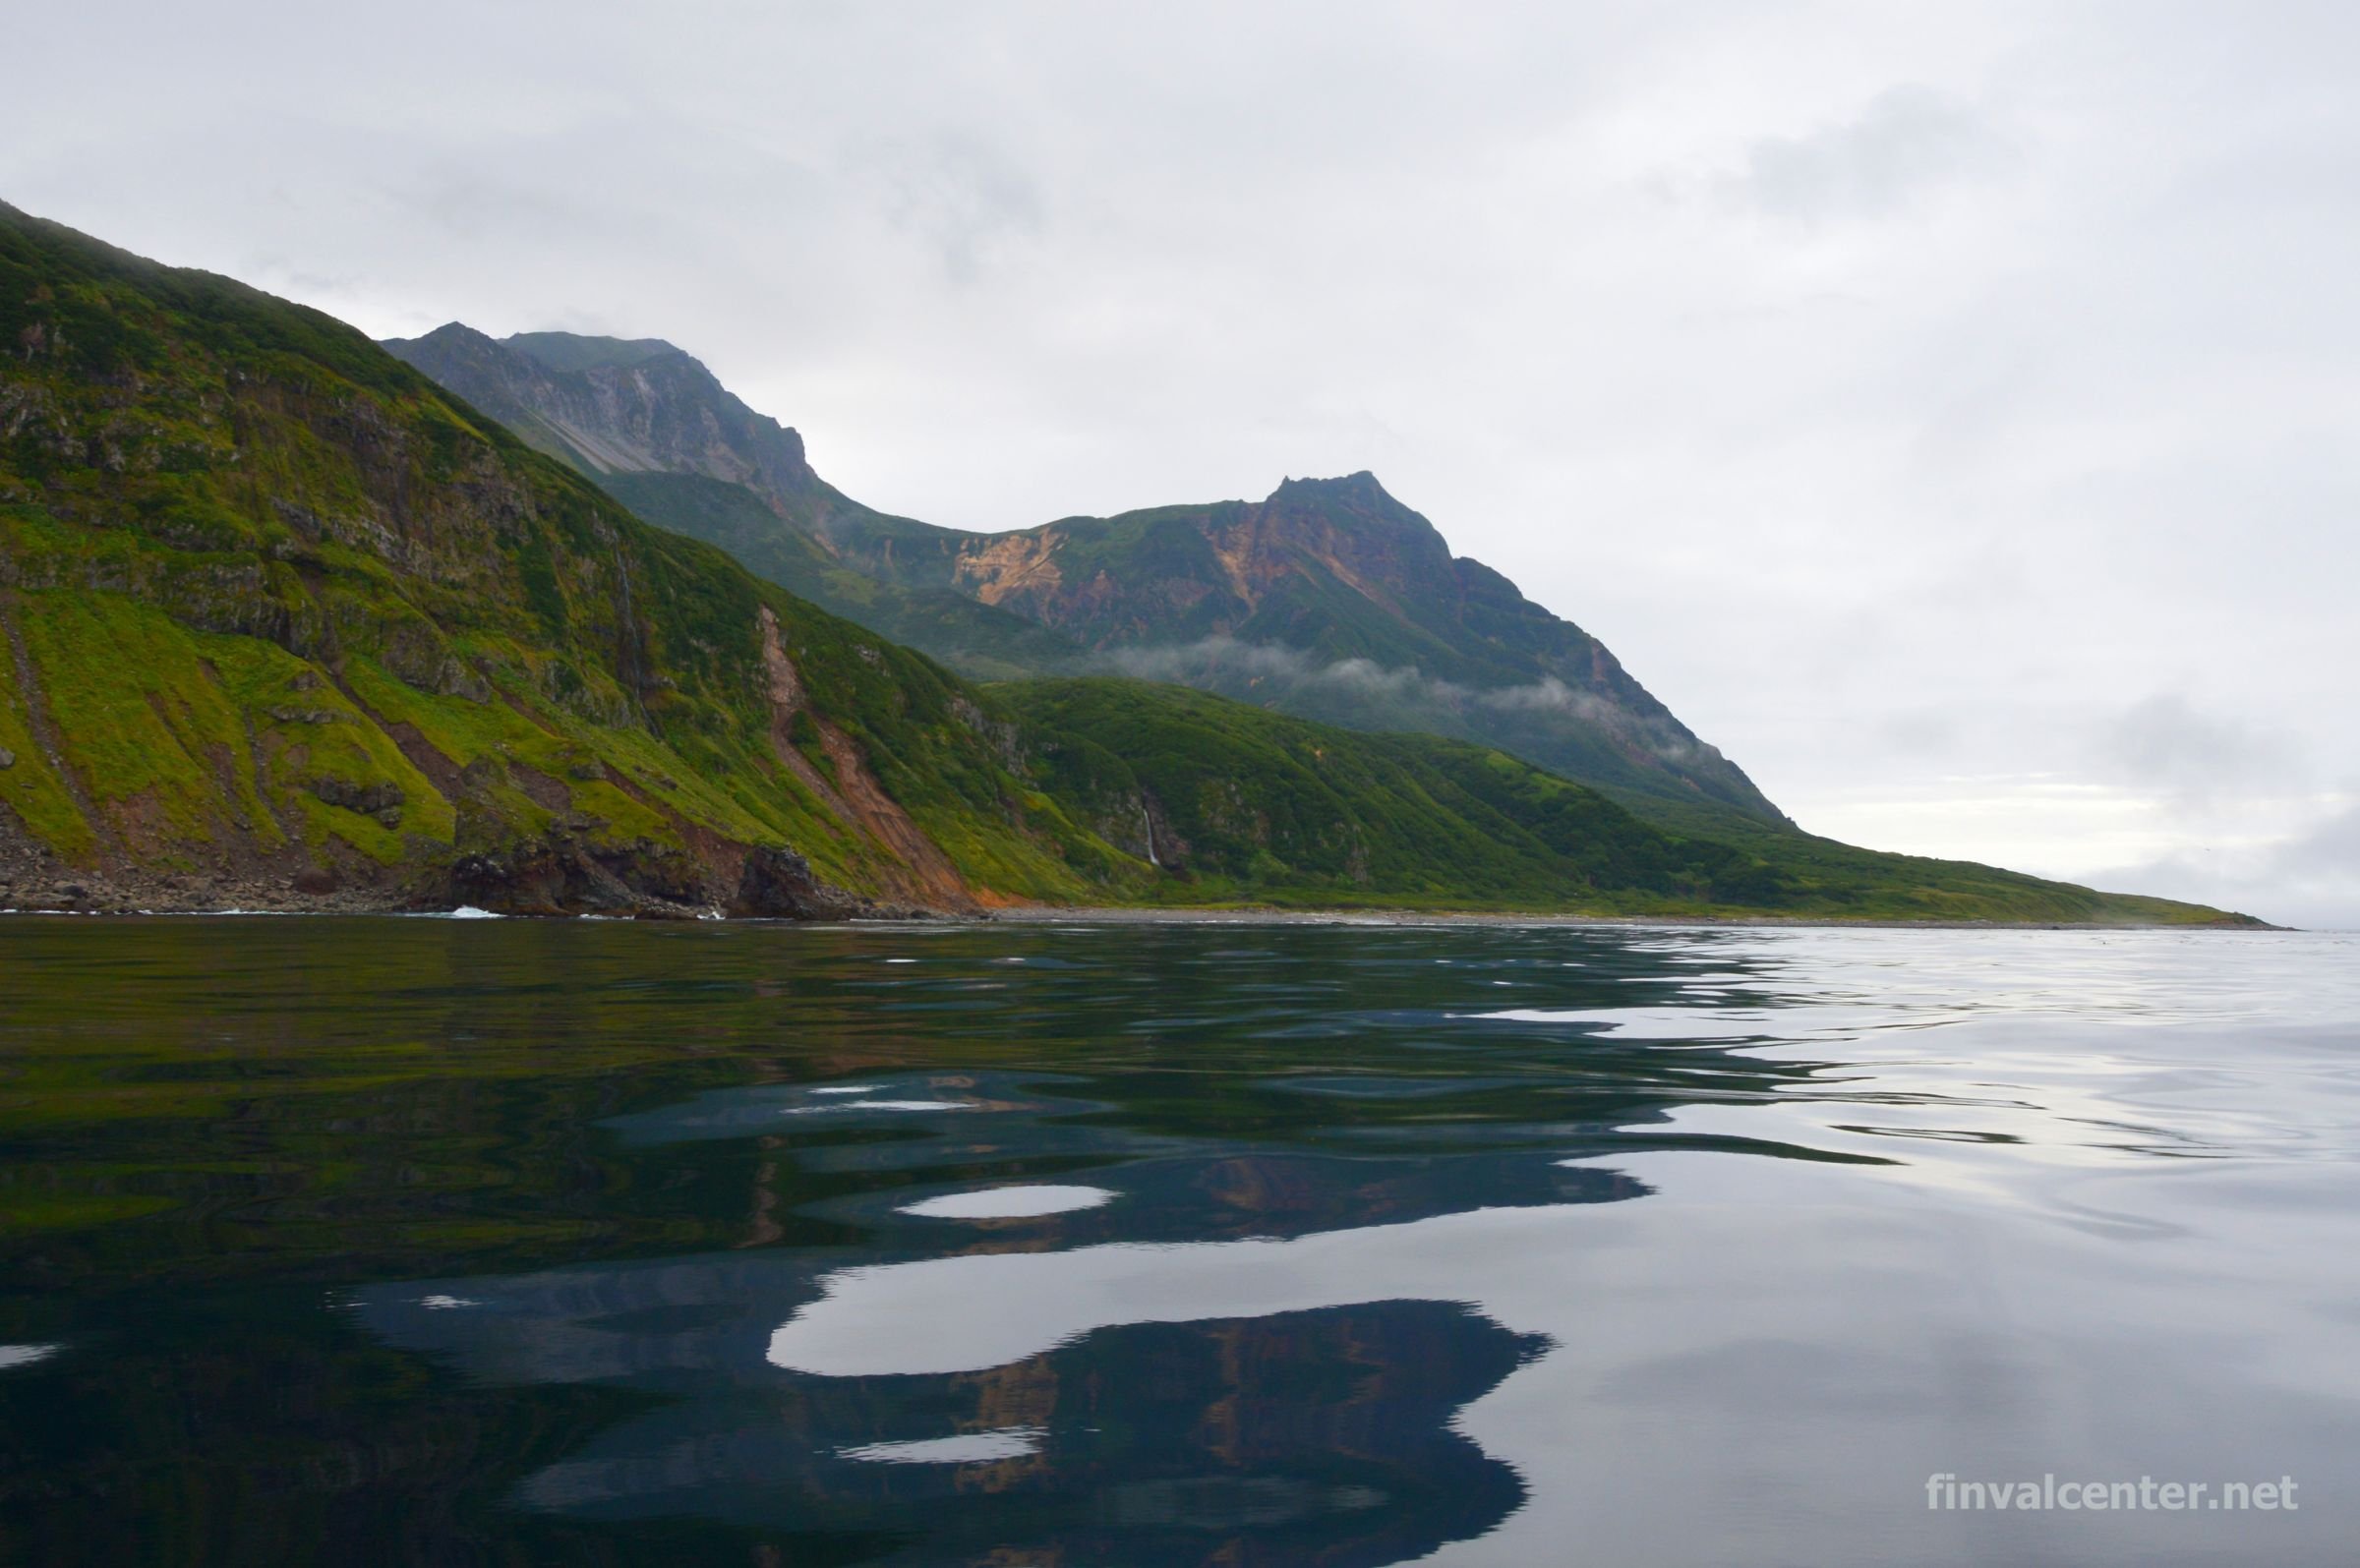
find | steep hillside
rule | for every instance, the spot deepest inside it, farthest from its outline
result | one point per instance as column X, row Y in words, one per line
column 282, row 620
column 654, row 429
column 975, row 638
column 1333, row 601
column 607, row 405
column 1330, row 598
column 1235, row 803
column 283, row 624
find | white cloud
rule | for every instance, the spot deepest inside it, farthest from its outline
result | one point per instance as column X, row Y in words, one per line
column 2309, row 878
column 2002, row 383
column 1908, row 142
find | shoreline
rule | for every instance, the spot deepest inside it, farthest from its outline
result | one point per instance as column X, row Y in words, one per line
column 1122, row 915
column 1115, row 915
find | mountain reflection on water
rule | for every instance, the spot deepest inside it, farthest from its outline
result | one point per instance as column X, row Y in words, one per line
column 410, row 1241
column 1254, row 1397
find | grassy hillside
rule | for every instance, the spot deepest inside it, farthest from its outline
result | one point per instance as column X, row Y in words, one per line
column 1843, row 880
column 280, row 614
column 1333, row 600
column 1328, row 598
column 1236, row 803
column 285, row 624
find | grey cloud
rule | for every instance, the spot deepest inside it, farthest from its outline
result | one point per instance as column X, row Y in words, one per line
column 1997, row 403
column 1905, row 142
column 2167, row 742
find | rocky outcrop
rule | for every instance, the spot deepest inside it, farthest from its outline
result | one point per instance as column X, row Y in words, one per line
column 607, row 406
column 779, row 884
column 383, row 799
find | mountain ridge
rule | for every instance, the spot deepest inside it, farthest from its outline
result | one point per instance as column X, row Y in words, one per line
column 1335, row 571
column 285, row 624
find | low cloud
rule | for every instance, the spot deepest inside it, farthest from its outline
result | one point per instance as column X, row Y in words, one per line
column 1229, row 664
column 1190, row 663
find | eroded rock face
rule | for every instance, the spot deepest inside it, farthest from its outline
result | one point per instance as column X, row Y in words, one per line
column 368, row 799
column 559, row 876
column 1007, row 742
column 564, row 875
column 782, row 686
column 1012, row 565
column 617, row 407
column 915, row 867
column 777, row 884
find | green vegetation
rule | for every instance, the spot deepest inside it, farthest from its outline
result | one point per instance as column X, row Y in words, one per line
column 286, row 610
column 1330, row 601
column 1249, row 806
column 280, row 615
column 1246, row 804
column 29, row 788
column 1843, row 880
column 1333, row 600
column 1330, row 598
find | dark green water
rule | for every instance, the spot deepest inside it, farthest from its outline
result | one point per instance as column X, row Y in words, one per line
column 503, row 1242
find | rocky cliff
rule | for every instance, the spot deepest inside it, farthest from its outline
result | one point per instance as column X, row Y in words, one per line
column 1328, row 598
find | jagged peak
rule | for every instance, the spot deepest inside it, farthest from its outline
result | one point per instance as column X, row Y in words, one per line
column 1357, row 504
column 1359, row 485
column 577, row 351
column 448, row 333
column 563, row 353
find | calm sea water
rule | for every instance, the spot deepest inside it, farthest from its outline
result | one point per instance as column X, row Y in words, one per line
column 475, row 1241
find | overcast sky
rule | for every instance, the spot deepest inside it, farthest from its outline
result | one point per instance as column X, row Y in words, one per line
column 1949, row 411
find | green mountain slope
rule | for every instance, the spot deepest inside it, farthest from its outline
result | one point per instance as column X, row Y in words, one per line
column 285, row 624
column 1330, row 598
column 975, row 638
column 654, row 428
column 1333, row 601
column 1237, row 803
column 279, row 615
